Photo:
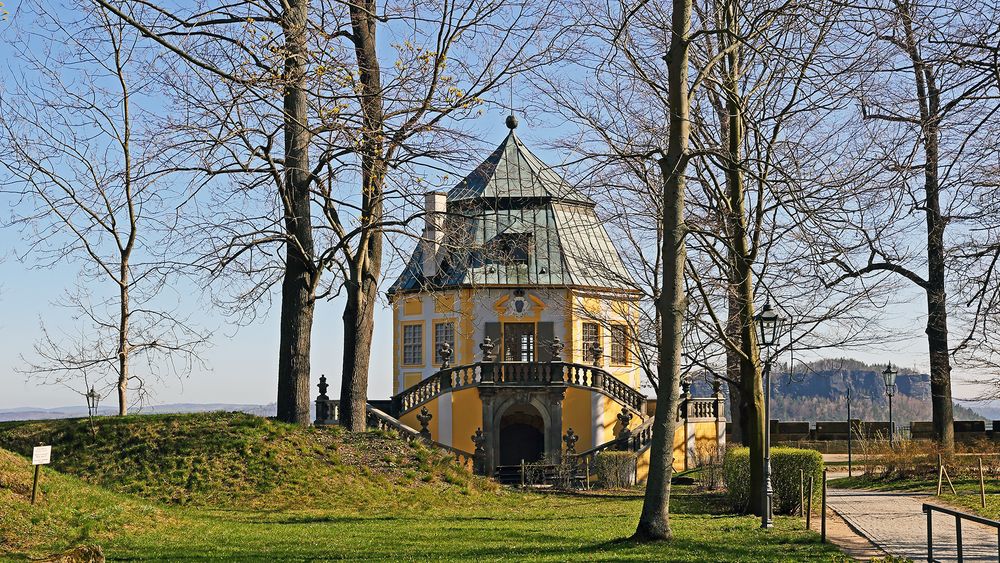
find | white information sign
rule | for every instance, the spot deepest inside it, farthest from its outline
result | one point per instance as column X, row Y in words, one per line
column 41, row 455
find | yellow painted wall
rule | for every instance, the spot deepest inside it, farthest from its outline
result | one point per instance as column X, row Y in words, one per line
column 412, row 378
column 466, row 417
column 680, row 446
column 464, row 338
column 704, row 433
column 410, row 418
column 609, row 420
column 642, row 467
column 577, row 415
column 705, row 441
column 610, row 428
column 642, row 470
column 444, row 303
column 583, row 308
column 413, row 306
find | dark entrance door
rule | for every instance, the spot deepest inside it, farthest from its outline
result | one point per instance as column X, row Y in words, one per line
column 519, row 342
column 522, row 435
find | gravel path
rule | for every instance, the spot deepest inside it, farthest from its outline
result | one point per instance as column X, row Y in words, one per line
column 896, row 523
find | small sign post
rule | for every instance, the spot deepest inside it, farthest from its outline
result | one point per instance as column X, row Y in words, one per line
column 40, row 456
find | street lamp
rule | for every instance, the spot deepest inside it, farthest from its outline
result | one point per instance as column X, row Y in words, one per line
column 93, row 400
column 889, row 378
column 770, row 323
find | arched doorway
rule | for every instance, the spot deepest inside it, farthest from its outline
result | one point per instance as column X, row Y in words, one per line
column 522, row 435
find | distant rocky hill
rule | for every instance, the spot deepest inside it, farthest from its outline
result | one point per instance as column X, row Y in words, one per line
column 818, row 391
column 34, row 413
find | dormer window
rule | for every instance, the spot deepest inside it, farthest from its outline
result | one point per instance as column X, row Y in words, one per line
column 510, row 248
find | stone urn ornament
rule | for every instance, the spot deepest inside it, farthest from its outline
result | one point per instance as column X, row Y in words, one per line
column 571, row 439
column 487, row 347
column 479, row 456
column 625, row 418
column 424, row 417
column 597, row 351
column 557, row 349
column 445, row 353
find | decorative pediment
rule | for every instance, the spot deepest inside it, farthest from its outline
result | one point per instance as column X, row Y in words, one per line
column 518, row 304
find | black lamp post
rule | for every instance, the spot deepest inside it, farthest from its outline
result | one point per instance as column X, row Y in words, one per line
column 93, row 400
column 770, row 323
column 850, row 460
column 889, row 378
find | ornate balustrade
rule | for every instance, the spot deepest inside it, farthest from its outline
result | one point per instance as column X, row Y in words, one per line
column 328, row 411
column 638, row 439
column 383, row 421
column 518, row 373
column 693, row 410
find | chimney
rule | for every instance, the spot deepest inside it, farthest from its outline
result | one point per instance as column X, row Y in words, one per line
column 435, row 207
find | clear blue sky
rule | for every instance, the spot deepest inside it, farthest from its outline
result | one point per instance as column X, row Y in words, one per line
column 242, row 361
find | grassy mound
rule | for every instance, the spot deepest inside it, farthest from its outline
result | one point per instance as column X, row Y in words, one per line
column 236, row 460
column 67, row 512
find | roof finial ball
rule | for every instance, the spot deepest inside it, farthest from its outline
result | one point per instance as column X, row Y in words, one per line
column 511, row 122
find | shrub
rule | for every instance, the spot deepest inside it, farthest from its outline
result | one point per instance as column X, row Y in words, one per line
column 918, row 459
column 614, row 470
column 786, row 464
column 708, row 460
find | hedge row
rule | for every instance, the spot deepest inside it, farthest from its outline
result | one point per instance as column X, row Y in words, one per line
column 614, row 470
column 786, row 464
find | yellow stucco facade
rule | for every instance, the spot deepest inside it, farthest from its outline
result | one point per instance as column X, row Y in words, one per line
column 516, row 317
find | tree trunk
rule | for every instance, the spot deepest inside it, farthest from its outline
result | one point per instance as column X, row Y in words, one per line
column 741, row 272
column 654, row 521
column 123, row 350
column 359, row 322
column 737, row 407
column 937, row 308
column 366, row 263
column 737, row 414
column 929, row 101
column 298, row 285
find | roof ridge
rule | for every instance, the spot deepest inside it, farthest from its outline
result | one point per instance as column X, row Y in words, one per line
column 543, row 179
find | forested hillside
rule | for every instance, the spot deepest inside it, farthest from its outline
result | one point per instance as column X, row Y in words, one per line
column 818, row 391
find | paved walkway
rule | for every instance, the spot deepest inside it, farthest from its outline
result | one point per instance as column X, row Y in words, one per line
column 896, row 523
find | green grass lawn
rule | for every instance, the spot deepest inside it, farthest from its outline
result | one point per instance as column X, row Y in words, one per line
column 968, row 497
column 329, row 495
column 513, row 526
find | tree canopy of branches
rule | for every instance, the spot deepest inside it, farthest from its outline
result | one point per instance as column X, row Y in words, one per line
column 927, row 96
column 356, row 117
column 76, row 127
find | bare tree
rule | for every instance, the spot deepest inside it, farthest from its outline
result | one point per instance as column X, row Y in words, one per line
column 443, row 72
column 79, row 163
column 638, row 160
column 357, row 125
column 927, row 109
column 758, row 98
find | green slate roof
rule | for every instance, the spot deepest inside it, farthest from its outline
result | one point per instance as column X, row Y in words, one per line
column 514, row 196
column 512, row 171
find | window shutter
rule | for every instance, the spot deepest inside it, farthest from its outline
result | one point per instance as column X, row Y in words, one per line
column 544, row 340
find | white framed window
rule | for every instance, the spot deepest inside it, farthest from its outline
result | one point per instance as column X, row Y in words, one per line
column 591, row 335
column 619, row 345
column 413, row 345
column 443, row 333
